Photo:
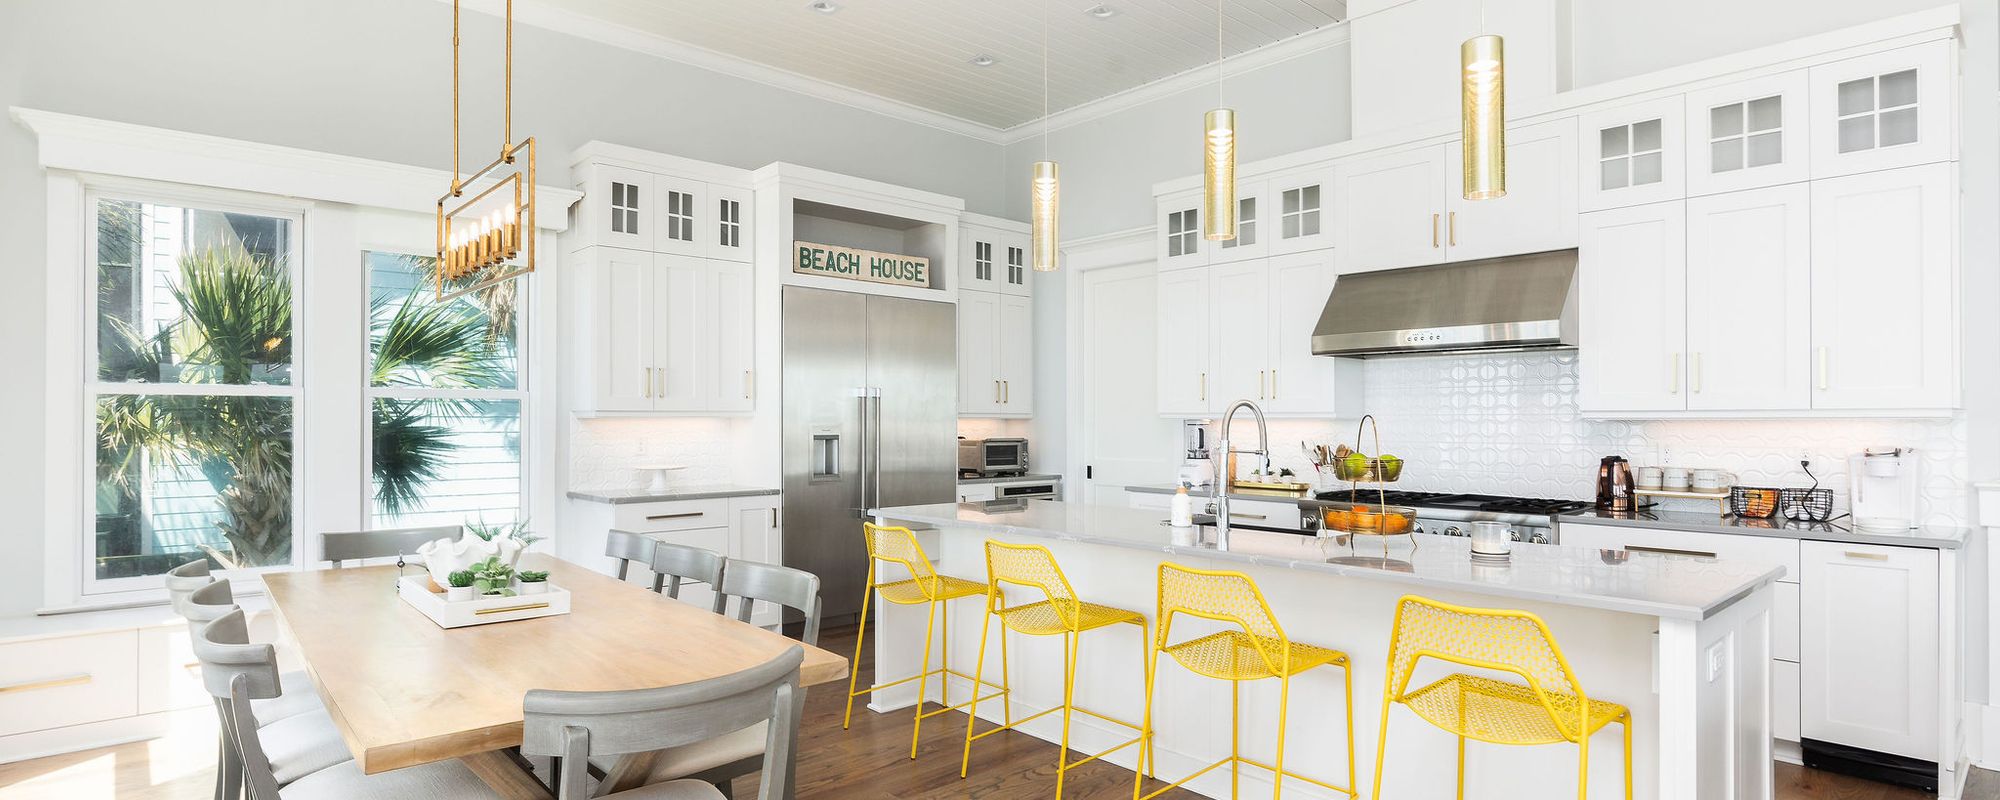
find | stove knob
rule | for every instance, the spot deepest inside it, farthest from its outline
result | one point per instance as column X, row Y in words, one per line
column 1453, row 531
column 1539, row 539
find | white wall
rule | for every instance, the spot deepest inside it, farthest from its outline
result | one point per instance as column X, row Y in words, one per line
column 1621, row 38
column 370, row 78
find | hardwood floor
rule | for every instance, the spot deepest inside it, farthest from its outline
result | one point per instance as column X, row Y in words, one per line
column 870, row 761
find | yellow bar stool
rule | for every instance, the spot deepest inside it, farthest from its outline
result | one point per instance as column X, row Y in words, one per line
column 1549, row 707
column 1057, row 613
column 1258, row 649
column 898, row 545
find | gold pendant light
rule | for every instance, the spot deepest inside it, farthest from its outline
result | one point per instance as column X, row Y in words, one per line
column 482, row 238
column 1218, row 146
column 1484, row 112
column 1044, row 188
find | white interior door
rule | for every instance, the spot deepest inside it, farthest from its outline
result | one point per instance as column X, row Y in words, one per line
column 1122, row 442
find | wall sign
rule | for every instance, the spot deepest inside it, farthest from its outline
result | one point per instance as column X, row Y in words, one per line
column 834, row 261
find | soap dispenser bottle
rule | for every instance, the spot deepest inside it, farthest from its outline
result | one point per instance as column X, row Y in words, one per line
column 1182, row 515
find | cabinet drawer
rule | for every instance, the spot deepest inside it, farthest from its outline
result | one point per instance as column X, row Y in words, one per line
column 51, row 683
column 651, row 517
column 169, row 676
column 1728, row 547
column 1150, row 500
column 1785, row 700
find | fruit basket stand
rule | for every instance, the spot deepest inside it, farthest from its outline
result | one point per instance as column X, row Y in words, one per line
column 1357, row 517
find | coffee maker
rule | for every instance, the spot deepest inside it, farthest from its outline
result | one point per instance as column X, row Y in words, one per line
column 1197, row 468
column 1883, row 487
column 1614, row 485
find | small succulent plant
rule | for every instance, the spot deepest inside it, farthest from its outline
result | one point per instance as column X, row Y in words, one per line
column 532, row 575
column 491, row 578
column 460, row 579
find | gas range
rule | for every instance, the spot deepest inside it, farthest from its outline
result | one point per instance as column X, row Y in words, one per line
column 1450, row 513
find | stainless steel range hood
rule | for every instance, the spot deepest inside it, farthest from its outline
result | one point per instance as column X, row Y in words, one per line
column 1525, row 302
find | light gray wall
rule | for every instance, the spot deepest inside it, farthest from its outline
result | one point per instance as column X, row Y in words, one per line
column 370, row 78
column 1621, row 38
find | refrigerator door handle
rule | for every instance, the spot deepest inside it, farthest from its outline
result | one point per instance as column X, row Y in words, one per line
column 875, row 445
column 861, row 459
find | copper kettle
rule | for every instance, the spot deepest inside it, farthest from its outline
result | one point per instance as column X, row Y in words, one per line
column 1614, row 485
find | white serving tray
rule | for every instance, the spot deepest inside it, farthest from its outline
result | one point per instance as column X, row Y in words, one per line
column 416, row 590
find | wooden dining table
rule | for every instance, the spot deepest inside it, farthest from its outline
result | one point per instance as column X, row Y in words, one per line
column 405, row 692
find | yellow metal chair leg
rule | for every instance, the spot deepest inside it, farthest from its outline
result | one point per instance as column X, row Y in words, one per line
column 1461, row 747
column 1146, row 724
column 1235, row 736
column 924, row 679
column 944, row 652
column 1626, row 725
column 1347, row 674
column 860, row 636
column 1381, row 744
column 1006, row 680
column 1583, row 767
column 1069, row 704
column 1145, row 765
column 978, row 676
column 1284, row 703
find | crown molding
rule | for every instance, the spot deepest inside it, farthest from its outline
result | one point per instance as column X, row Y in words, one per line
column 528, row 12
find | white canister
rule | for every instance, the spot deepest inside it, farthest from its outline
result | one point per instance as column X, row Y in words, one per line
column 1651, row 477
column 1492, row 538
column 1711, row 480
column 1674, row 479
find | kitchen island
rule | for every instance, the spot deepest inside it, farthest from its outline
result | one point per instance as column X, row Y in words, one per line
column 1682, row 642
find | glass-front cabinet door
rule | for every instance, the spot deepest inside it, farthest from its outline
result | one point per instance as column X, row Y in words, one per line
column 1252, row 232
column 1180, row 240
column 1632, row 155
column 681, row 217
column 729, row 226
column 1302, row 218
column 1747, row 135
column 1881, row 111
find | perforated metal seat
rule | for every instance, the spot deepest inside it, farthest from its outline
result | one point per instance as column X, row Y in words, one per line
column 1236, row 656
column 1499, row 711
column 926, row 589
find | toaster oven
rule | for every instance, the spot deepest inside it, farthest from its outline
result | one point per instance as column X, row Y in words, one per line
column 993, row 457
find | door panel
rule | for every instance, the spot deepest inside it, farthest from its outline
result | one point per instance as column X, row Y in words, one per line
column 1389, row 210
column 1119, row 447
column 1884, row 309
column 1182, row 326
column 734, row 313
column 1749, row 278
column 1242, row 347
column 1300, row 381
column 1633, row 313
column 1869, row 642
column 910, row 354
column 624, row 295
column 682, row 355
column 825, row 369
column 978, row 354
column 1015, row 337
column 1539, row 211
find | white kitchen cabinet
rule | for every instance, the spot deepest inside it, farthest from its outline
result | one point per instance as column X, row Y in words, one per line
column 1240, row 352
column 980, row 258
column 1301, row 211
column 1014, row 267
column 1633, row 311
column 995, row 354
column 1884, row 110
column 665, row 333
column 1748, row 134
column 747, row 528
column 1884, row 293
column 1749, row 277
column 1300, row 382
column 1389, row 209
column 681, row 216
column 68, row 680
column 1178, row 231
column 1632, row 155
column 730, row 229
column 1253, row 230
column 1184, row 325
column 1785, row 683
column 1869, row 647
column 617, row 207
column 1539, row 211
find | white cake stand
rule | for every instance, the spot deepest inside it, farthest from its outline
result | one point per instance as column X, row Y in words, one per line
column 659, row 473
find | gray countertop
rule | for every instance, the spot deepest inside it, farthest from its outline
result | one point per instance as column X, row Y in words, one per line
column 709, row 492
column 1032, row 477
column 1673, row 587
column 1202, row 491
column 1938, row 537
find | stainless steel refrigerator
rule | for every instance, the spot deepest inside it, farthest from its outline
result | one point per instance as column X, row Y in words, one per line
column 871, row 420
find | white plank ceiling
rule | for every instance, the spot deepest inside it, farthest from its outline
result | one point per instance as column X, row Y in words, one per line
column 920, row 52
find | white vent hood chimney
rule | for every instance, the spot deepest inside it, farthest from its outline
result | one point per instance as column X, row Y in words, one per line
column 1404, row 70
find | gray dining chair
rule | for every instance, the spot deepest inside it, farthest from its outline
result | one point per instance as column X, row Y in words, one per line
column 210, row 603
column 751, row 582
column 338, row 546
column 573, row 727
column 674, row 563
column 286, row 750
column 235, row 672
column 628, row 547
column 184, row 579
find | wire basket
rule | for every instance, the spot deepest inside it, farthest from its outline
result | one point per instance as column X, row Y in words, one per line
column 1810, row 505
column 1753, row 502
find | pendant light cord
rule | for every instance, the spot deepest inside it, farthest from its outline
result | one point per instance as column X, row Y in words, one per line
column 1045, row 79
column 507, row 129
column 454, row 97
column 1218, row 53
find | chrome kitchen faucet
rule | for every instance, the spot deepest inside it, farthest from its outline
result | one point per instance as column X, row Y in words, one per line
column 1219, row 499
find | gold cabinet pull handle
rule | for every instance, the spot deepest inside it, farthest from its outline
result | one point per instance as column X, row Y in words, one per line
column 1434, row 230
column 682, row 515
column 1007, row 392
column 648, row 391
column 1274, row 384
column 1694, row 377
column 51, row 683
column 1204, row 387
column 1667, row 551
column 1452, row 227
column 1866, row 556
column 1674, row 374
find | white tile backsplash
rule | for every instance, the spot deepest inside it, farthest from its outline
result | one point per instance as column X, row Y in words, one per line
column 606, row 453
column 1509, row 423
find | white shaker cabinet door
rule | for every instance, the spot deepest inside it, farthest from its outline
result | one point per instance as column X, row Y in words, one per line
column 1749, row 276
column 732, row 310
column 683, row 336
column 1633, row 313
column 1015, row 338
column 1748, row 134
column 1241, row 352
column 1539, row 211
column 1303, row 383
column 1390, row 210
column 1869, row 647
column 1884, row 308
column 1632, row 155
column 619, row 306
column 1183, row 341
column 1885, row 110
column 978, row 354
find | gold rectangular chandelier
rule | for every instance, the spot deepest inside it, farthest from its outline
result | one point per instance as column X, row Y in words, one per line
column 1484, row 113
column 486, row 223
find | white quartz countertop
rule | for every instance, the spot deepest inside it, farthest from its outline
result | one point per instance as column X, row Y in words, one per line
column 1679, row 587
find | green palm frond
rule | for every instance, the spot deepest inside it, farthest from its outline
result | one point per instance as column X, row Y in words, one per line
column 409, row 453
column 237, row 315
column 440, row 346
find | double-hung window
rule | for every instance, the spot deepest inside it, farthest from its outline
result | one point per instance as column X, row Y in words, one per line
column 192, row 386
column 445, row 391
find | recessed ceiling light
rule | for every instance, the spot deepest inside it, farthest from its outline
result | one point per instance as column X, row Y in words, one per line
column 1101, row 11
column 983, row 60
column 824, row 6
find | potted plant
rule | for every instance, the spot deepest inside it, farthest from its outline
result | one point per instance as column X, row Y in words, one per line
column 533, row 581
column 461, row 586
column 515, row 531
column 492, row 578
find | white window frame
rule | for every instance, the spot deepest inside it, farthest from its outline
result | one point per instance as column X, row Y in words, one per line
column 83, row 540
column 525, row 331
